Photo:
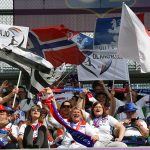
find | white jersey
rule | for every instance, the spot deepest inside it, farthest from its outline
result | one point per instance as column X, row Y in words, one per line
column 4, row 138
column 67, row 138
column 104, row 127
column 133, row 131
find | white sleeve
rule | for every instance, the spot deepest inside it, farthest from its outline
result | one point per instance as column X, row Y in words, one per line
column 141, row 102
column 86, row 115
column 52, row 121
column 144, row 124
column 90, row 130
column 22, row 129
column 15, row 131
column 93, row 99
column 112, row 121
column 118, row 104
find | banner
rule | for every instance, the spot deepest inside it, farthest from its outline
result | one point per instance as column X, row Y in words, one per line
column 99, row 66
column 13, row 36
column 102, row 63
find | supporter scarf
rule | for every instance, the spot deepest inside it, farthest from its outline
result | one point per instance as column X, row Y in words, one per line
column 117, row 90
column 3, row 133
column 76, row 135
column 97, row 121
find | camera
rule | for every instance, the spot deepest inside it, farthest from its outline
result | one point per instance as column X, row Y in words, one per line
column 133, row 120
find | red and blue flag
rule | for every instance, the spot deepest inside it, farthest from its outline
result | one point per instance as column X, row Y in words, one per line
column 53, row 44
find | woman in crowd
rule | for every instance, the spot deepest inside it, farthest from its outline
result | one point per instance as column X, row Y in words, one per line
column 103, row 124
column 77, row 122
column 33, row 134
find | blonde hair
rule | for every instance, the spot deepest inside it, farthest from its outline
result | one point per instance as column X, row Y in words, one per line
column 78, row 108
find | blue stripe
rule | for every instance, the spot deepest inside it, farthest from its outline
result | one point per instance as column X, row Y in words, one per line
column 57, row 44
column 36, row 45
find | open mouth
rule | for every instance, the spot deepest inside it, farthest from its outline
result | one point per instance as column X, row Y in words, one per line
column 97, row 110
column 76, row 116
column 35, row 113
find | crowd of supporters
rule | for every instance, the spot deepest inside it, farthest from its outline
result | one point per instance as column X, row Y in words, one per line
column 111, row 119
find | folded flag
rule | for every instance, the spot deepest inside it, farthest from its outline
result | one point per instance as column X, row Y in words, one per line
column 27, row 58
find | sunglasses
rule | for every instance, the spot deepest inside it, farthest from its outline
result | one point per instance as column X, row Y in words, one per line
column 66, row 106
column 34, row 109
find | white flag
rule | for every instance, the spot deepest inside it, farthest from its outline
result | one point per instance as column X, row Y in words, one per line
column 134, row 41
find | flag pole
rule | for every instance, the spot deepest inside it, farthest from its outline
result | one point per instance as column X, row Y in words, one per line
column 130, row 91
column 17, row 87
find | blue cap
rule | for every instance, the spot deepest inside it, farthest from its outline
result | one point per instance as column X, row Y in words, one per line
column 9, row 109
column 129, row 107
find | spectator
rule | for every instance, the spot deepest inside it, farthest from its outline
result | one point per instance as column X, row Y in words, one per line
column 9, row 96
column 64, row 111
column 33, row 134
column 103, row 124
column 136, row 129
column 77, row 122
column 8, row 131
column 144, row 103
column 25, row 103
column 6, row 88
column 127, row 99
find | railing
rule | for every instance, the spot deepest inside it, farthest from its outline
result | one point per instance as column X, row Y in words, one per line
column 5, row 68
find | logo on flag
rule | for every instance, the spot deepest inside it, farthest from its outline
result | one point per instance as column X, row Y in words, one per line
column 13, row 36
column 106, row 34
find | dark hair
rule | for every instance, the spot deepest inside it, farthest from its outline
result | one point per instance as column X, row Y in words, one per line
column 29, row 118
column 104, row 110
column 64, row 103
column 125, row 83
column 110, row 84
column 22, row 87
column 106, row 104
column 101, row 93
column 94, row 84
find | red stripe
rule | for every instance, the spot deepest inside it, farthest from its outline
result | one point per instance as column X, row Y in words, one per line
column 70, row 55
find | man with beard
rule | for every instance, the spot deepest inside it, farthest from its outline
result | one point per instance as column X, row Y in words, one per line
column 8, row 131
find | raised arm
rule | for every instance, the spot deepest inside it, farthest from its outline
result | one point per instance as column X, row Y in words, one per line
column 9, row 96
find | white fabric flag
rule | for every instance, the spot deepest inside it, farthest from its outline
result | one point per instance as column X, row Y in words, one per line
column 134, row 41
